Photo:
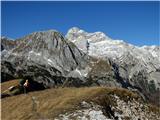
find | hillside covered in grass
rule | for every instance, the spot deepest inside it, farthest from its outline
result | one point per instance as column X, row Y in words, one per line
column 76, row 103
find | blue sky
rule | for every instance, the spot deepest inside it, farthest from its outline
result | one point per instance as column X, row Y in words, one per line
column 133, row 22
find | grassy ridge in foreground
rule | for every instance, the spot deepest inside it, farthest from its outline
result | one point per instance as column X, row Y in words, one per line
column 49, row 103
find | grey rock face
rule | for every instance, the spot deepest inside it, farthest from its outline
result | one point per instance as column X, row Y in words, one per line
column 45, row 56
column 7, row 43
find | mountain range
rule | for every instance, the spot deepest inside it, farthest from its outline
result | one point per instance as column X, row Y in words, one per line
column 52, row 59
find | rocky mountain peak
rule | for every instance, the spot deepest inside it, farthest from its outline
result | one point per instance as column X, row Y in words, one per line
column 7, row 43
column 39, row 41
column 79, row 34
column 137, row 65
column 74, row 30
column 48, row 52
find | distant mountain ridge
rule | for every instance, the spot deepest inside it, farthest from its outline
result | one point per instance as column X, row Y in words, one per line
column 139, row 66
column 117, row 50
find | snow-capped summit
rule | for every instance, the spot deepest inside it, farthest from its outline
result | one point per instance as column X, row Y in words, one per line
column 103, row 46
column 74, row 30
column 78, row 34
column 134, row 62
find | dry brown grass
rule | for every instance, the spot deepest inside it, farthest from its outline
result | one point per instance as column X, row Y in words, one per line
column 52, row 102
column 6, row 85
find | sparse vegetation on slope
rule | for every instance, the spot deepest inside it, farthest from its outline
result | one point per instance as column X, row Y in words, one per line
column 49, row 103
column 6, row 85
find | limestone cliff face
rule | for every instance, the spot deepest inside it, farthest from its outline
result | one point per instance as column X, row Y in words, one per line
column 45, row 56
column 135, row 66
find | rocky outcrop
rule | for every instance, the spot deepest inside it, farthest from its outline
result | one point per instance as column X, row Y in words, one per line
column 7, row 43
column 121, row 110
